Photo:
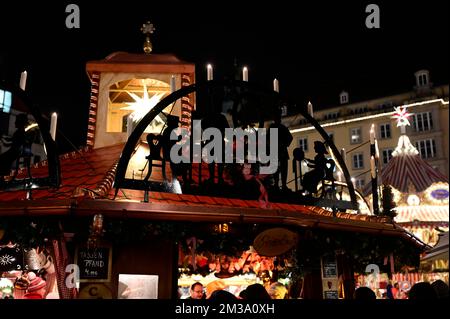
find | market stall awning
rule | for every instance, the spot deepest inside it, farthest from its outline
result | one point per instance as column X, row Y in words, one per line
column 422, row 213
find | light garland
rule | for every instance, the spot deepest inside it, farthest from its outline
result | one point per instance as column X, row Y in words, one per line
column 358, row 119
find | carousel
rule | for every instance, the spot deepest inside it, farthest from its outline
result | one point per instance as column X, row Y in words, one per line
column 421, row 197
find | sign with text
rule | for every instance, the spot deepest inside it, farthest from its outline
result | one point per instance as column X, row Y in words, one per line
column 275, row 241
column 94, row 263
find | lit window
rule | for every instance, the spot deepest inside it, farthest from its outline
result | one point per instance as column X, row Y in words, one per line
column 423, row 122
column 426, row 148
column 130, row 100
column 387, row 155
column 303, row 144
column 5, row 101
column 358, row 161
column 385, row 130
column 355, row 135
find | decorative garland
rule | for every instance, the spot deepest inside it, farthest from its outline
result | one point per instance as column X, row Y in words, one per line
column 202, row 239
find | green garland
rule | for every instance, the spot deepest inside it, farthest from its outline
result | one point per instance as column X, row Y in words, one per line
column 29, row 232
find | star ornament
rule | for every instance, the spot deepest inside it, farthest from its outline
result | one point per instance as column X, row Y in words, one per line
column 401, row 115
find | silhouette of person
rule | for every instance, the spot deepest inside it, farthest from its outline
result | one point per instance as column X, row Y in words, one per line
column 167, row 144
column 313, row 177
column 284, row 140
column 364, row 293
column 441, row 289
column 217, row 120
column 422, row 291
column 18, row 143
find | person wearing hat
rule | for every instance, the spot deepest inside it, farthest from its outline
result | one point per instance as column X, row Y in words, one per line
column 36, row 288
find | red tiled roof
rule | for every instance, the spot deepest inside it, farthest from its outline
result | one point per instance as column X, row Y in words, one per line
column 81, row 171
column 86, row 188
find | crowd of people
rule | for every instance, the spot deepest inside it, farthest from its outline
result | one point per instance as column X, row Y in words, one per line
column 419, row 291
column 216, row 291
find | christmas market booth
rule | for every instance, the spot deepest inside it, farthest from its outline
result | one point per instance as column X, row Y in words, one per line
column 120, row 219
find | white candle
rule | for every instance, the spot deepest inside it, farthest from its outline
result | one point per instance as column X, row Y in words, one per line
column 276, row 86
column 372, row 167
column 245, row 74
column 23, row 80
column 372, row 134
column 53, row 124
column 377, row 150
column 209, row 72
column 310, row 109
column 173, row 86
column 339, row 176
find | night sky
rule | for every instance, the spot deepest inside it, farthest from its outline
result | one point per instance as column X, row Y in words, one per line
column 315, row 50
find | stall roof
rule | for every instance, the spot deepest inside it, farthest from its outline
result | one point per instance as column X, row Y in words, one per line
column 140, row 63
column 87, row 180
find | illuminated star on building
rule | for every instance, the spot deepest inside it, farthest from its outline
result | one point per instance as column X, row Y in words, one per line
column 402, row 116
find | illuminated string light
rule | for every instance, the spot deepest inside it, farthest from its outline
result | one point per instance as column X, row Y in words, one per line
column 362, row 118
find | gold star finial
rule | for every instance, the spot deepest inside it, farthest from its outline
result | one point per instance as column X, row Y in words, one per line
column 147, row 29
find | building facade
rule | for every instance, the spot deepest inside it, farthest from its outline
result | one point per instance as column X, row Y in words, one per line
column 349, row 125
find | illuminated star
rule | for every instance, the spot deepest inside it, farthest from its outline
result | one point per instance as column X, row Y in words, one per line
column 141, row 106
column 402, row 116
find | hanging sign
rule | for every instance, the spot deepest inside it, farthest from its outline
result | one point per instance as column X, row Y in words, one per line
column 438, row 193
column 330, row 280
column 94, row 263
column 275, row 242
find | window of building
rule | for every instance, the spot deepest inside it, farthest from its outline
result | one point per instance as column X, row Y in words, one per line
column 423, row 80
column 426, row 148
column 284, row 110
column 355, row 135
column 331, row 116
column 387, row 155
column 360, row 183
column 423, row 122
column 360, row 110
column 129, row 101
column 358, row 161
column 303, row 143
column 385, row 130
column 343, row 97
column 5, row 101
column 385, row 105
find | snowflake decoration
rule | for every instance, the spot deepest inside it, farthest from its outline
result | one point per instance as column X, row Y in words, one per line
column 6, row 260
column 402, row 116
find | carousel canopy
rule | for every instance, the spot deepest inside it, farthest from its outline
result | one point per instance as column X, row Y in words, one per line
column 406, row 170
